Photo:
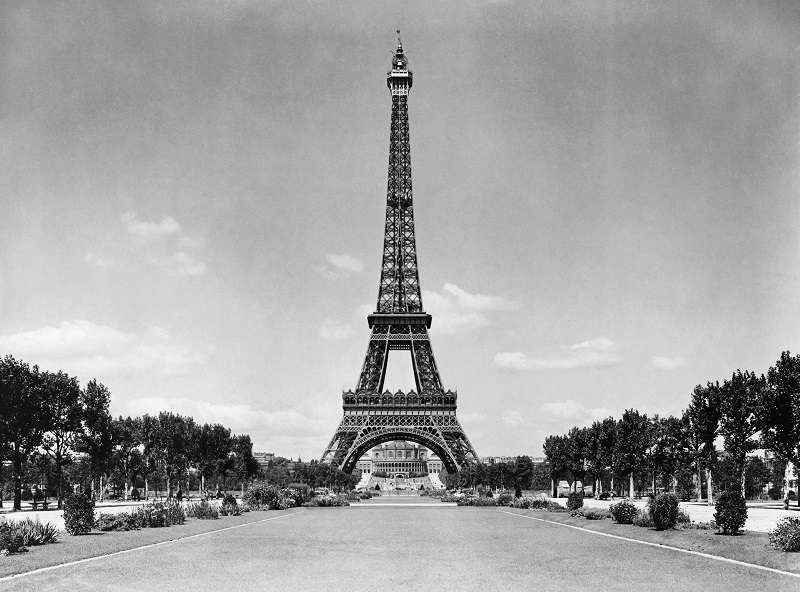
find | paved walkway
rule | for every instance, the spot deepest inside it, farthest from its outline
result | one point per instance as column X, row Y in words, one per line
column 375, row 547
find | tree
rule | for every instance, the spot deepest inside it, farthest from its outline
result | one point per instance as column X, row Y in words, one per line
column 24, row 414
column 757, row 475
column 672, row 451
column 576, row 451
column 63, row 395
column 779, row 412
column 245, row 466
column 556, row 453
column 704, row 417
column 523, row 471
column 740, row 399
column 631, row 443
column 173, row 442
column 215, row 448
column 96, row 436
column 599, row 450
column 128, row 440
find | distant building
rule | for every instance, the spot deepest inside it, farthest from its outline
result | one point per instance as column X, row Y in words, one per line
column 399, row 459
column 263, row 458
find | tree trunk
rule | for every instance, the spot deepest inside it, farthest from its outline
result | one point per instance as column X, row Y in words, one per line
column 169, row 487
column 709, row 487
column 92, row 492
column 202, row 485
column 612, row 480
column 17, row 479
column 146, row 490
column 126, row 489
column 59, row 490
column 553, row 487
column 699, row 481
column 630, row 490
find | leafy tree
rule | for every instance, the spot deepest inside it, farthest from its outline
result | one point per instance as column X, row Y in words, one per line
column 62, row 394
column 128, row 440
column 705, row 415
column 631, row 444
column 523, row 471
column 245, row 466
column 215, row 448
column 576, row 452
column 96, row 436
column 173, row 442
column 556, row 451
column 740, row 399
column 25, row 415
column 599, row 443
column 779, row 411
column 672, row 449
column 757, row 475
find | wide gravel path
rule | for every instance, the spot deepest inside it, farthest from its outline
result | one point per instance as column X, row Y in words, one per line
column 376, row 546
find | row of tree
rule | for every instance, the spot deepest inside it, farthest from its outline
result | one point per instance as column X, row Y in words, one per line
column 48, row 418
column 747, row 413
column 519, row 473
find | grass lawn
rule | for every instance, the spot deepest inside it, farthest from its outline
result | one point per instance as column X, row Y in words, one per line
column 751, row 547
column 72, row 548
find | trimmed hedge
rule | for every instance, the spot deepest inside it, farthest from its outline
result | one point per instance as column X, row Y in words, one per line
column 731, row 512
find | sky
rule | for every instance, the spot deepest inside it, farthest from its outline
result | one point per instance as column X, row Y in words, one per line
column 192, row 202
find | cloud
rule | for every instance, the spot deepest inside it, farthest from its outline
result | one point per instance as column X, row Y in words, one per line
column 339, row 266
column 166, row 245
column 457, row 311
column 595, row 353
column 332, row 330
column 148, row 231
column 570, row 409
column 90, row 350
column 471, row 418
column 512, row 418
column 93, row 259
column 664, row 363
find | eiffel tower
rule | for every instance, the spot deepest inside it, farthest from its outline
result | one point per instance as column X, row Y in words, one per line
column 426, row 415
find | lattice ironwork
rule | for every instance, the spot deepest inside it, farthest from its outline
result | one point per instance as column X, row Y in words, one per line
column 426, row 415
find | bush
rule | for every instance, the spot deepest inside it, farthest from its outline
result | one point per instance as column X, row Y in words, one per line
column 367, row 494
column 263, row 496
column 575, row 500
column 422, row 493
column 353, row 496
column 731, row 512
column 120, row 521
column 792, row 496
column 229, row 506
column 202, row 510
column 595, row 513
column 786, row 536
column 78, row 514
column 158, row 515
column 477, row 501
column 623, row 512
column 556, row 508
column 643, row 519
column 35, row 532
column 10, row 539
column 327, row 501
column 774, row 493
column 683, row 517
column 505, row 499
column 664, row 510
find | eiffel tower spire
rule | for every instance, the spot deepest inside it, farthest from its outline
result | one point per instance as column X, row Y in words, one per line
column 426, row 415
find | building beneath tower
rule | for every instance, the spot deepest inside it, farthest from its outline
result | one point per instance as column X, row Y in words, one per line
column 400, row 459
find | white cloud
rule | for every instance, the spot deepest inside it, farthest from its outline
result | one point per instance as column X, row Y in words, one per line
column 595, row 353
column 664, row 363
column 512, row 418
column 457, row 311
column 332, row 330
column 166, row 245
column 570, row 409
column 148, row 231
column 87, row 349
column 93, row 259
column 339, row 266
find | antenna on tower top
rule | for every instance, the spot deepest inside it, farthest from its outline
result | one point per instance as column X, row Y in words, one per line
column 398, row 38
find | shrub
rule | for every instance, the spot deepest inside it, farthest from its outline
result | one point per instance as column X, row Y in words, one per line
column 452, row 497
column 792, row 496
column 353, row 496
column 158, row 514
column 683, row 517
column 229, row 506
column 644, row 519
column 664, row 510
column 367, row 494
column 505, row 499
column 202, row 510
column 774, row 493
column 422, row 493
column 786, row 536
column 35, row 532
column 595, row 513
column 10, row 539
column 327, row 501
column 263, row 496
column 477, row 501
column 556, row 508
column 304, row 492
column 623, row 512
column 575, row 500
column 731, row 512
column 78, row 514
